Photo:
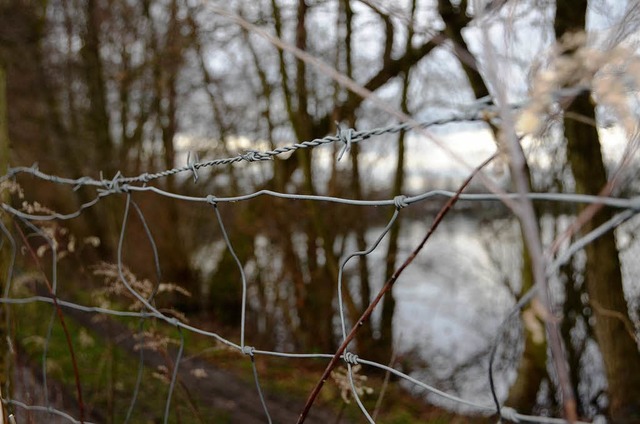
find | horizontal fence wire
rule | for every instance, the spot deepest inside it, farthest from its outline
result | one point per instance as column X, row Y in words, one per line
column 120, row 185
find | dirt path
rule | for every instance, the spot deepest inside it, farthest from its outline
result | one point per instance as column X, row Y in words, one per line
column 220, row 390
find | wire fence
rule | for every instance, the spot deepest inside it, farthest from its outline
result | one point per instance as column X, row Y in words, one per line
column 128, row 187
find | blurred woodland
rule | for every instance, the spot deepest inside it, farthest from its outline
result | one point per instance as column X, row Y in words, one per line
column 108, row 88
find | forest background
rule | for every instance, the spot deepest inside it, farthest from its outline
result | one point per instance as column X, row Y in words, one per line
column 102, row 91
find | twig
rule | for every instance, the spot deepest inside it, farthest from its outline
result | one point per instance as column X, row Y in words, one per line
column 531, row 234
column 628, row 325
column 67, row 336
column 385, row 384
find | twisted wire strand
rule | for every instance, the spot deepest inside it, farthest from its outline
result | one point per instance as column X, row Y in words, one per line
column 481, row 110
column 632, row 203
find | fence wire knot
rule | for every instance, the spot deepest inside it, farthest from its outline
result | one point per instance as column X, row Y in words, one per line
column 212, row 200
column 345, row 136
column 509, row 414
column 252, row 156
column 145, row 178
column 400, row 201
column 113, row 185
column 350, row 358
column 248, row 350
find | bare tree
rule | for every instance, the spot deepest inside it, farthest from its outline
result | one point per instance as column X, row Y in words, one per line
column 131, row 87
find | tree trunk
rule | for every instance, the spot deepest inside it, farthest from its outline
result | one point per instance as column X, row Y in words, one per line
column 602, row 271
column 94, row 75
column 5, row 247
column 532, row 367
column 385, row 343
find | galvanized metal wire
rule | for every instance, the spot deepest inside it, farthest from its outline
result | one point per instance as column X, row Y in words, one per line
column 128, row 187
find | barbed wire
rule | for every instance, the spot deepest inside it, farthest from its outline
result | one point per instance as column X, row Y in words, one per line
column 481, row 110
column 120, row 185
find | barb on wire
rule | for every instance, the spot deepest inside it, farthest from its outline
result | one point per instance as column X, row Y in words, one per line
column 475, row 112
column 192, row 165
column 345, row 136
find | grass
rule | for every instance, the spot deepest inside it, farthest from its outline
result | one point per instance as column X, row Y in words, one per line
column 108, row 376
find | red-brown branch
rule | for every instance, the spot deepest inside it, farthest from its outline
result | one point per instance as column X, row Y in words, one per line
column 67, row 336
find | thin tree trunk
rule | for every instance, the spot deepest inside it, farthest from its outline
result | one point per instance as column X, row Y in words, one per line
column 106, row 220
column 385, row 342
column 94, row 75
column 364, row 338
column 532, row 367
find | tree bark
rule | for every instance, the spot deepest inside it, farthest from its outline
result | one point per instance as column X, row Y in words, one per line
column 385, row 343
column 94, row 74
column 603, row 277
column 5, row 247
column 532, row 367
column 602, row 272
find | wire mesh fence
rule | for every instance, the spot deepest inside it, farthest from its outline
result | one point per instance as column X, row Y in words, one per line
column 22, row 224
